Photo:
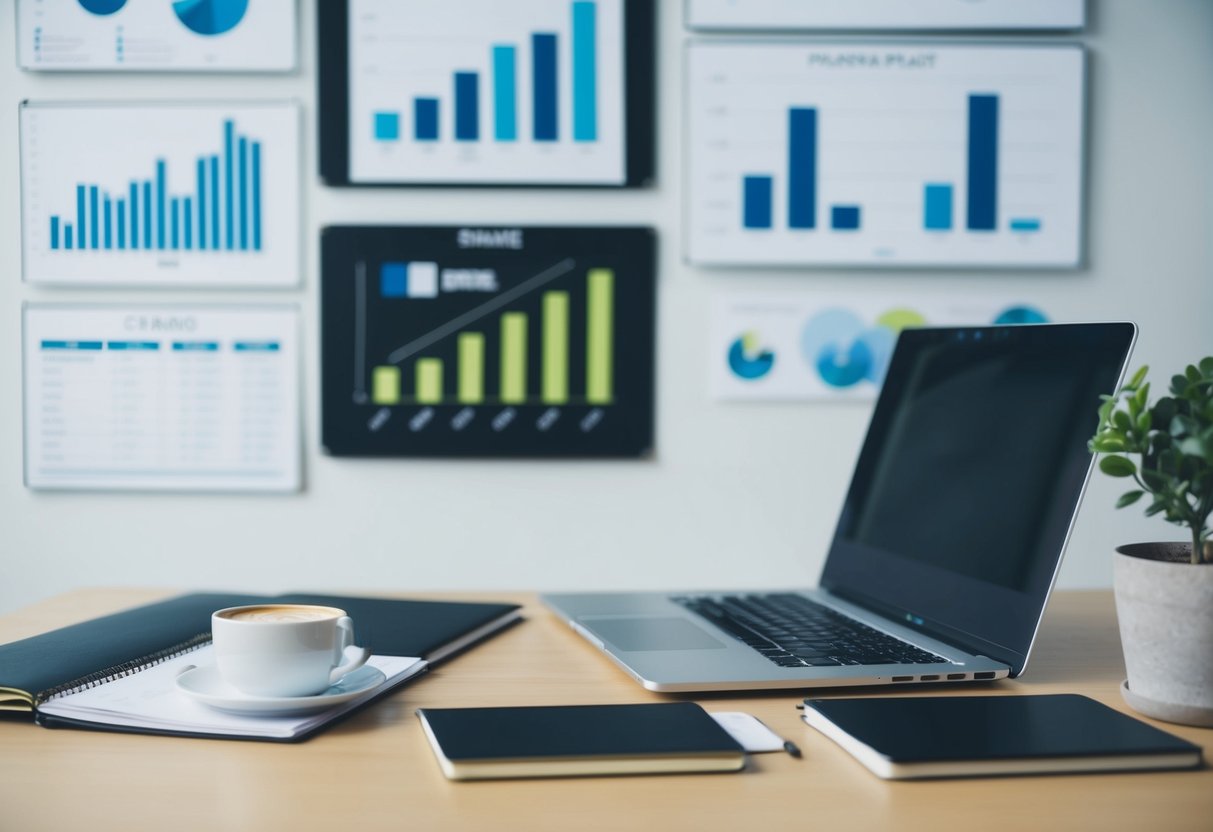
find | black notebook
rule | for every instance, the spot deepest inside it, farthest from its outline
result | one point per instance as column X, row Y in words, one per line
column 578, row 740
column 117, row 672
column 967, row 736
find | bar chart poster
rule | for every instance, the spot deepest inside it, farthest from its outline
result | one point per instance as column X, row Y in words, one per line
column 871, row 15
column 163, row 195
column 480, row 92
column 158, row 35
column 156, row 398
column 884, row 155
column 810, row 347
column 487, row 342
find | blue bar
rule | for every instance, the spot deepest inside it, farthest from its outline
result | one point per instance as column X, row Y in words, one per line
column 54, row 232
column 425, row 119
column 255, row 346
column 120, row 212
column 756, row 199
column 147, row 215
column 387, row 126
column 201, row 197
column 937, row 207
column 175, row 207
column 109, row 221
column 134, row 200
column 257, row 196
column 467, row 106
column 161, row 197
column 802, row 167
column 195, row 346
column 844, row 217
column 228, row 174
column 543, row 86
column 67, row 235
column 187, row 222
column 94, row 219
column 133, row 346
column 244, row 212
column 394, row 280
column 505, row 94
column 80, row 212
column 71, row 345
column 585, row 82
column 1025, row 224
column 215, row 203
column 983, row 163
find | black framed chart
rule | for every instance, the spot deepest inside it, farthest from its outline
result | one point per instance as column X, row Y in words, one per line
column 494, row 342
column 549, row 93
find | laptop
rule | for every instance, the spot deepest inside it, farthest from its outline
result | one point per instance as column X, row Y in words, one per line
column 948, row 543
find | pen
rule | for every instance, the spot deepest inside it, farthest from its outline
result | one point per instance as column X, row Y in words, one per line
column 791, row 747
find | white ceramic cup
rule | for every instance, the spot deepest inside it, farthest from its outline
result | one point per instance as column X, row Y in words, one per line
column 284, row 649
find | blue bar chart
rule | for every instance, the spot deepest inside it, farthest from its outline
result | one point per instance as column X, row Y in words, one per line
column 862, row 154
column 468, row 91
column 175, row 195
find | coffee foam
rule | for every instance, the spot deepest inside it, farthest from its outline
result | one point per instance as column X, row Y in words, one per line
column 271, row 613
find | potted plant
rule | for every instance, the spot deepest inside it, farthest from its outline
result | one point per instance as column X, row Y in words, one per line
column 1164, row 591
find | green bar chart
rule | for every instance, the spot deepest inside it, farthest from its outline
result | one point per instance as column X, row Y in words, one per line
column 539, row 343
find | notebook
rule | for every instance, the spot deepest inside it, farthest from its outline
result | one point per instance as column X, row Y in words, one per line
column 948, row 541
column 578, row 740
column 971, row 736
column 118, row 672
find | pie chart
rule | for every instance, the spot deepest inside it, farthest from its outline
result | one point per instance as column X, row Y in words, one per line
column 102, row 7
column 1022, row 315
column 748, row 360
column 208, row 17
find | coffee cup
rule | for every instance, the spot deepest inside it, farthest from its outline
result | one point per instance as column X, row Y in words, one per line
column 284, row 649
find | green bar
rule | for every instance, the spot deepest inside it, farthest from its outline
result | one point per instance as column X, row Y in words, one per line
column 513, row 358
column 599, row 328
column 429, row 381
column 555, row 347
column 385, row 385
column 471, row 368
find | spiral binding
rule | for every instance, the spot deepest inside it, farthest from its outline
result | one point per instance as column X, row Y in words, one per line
column 118, row 671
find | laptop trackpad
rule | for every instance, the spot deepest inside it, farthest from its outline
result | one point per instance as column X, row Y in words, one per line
column 650, row 633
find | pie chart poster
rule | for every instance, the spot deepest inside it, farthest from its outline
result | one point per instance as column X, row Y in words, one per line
column 487, row 341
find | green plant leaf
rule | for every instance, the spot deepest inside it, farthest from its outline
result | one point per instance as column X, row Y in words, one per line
column 1108, row 443
column 1178, row 384
column 1206, row 366
column 1129, row 498
column 1192, row 373
column 1145, row 421
column 1122, row 421
column 1193, row 446
column 1164, row 412
column 1139, row 376
column 1117, row 466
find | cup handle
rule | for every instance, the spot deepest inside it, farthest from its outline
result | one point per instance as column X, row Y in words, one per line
column 356, row 656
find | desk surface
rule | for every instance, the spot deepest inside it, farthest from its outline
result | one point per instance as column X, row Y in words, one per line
column 376, row 771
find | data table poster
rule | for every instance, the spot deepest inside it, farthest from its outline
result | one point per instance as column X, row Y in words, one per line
column 162, row 398
column 125, row 194
column 543, row 93
column 487, row 341
column 158, row 35
column 884, row 154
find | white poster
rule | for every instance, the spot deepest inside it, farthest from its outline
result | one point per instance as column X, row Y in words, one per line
column 182, row 398
column 161, row 194
column 871, row 15
column 800, row 346
column 884, row 154
column 158, row 35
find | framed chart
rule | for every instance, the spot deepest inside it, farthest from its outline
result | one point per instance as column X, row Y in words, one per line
column 545, row 93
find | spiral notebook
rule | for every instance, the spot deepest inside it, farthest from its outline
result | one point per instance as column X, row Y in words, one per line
column 118, row 672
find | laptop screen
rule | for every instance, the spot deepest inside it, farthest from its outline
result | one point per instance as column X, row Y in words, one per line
column 970, row 476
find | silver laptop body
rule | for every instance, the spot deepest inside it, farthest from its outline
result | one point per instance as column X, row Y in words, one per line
column 950, row 539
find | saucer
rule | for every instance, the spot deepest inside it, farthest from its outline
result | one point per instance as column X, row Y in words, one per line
column 205, row 685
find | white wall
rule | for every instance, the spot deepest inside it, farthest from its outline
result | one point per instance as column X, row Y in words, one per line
column 738, row 494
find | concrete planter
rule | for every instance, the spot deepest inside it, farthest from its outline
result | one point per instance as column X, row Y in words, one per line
column 1165, row 607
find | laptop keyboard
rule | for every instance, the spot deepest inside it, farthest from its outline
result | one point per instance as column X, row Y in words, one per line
column 793, row 631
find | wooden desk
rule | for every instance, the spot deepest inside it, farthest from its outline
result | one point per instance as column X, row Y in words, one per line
column 376, row 771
